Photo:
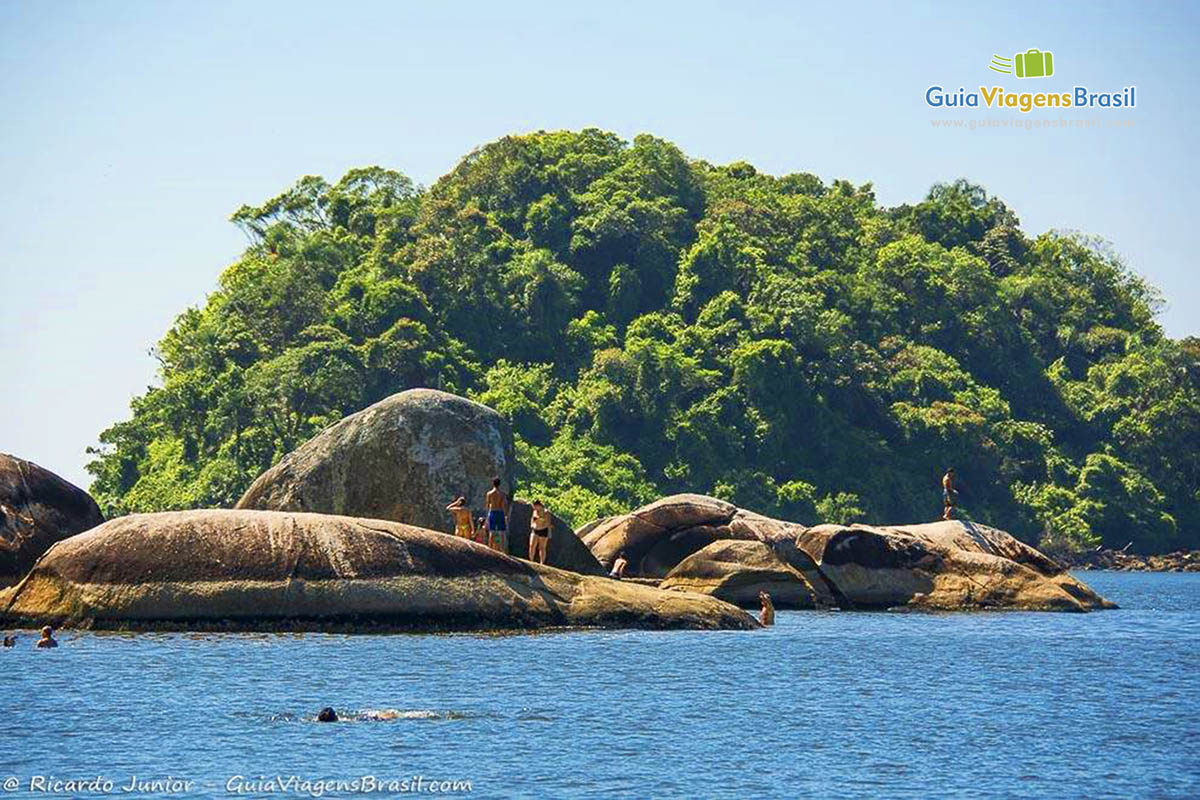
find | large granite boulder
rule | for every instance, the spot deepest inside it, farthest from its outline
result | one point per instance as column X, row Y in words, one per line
column 656, row 537
column 268, row 570
column 702, row 544
column 566, row 550
column 942, row 565
column 402, row 459
column 736, row 571
column 37, row 508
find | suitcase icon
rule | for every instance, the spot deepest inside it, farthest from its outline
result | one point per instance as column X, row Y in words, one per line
column 1034, row 63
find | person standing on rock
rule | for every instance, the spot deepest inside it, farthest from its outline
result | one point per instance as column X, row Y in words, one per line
column 496, row 503
column 949, row 494
column 539, row 533
column 462, row 517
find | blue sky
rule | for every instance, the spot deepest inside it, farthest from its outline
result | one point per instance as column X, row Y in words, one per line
column 132, row 130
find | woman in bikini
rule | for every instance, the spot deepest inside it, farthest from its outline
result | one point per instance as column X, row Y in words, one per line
column 539, row 535
column 462, row 517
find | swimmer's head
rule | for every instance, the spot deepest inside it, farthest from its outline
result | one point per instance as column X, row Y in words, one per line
column 327, row 715
column 47, row 632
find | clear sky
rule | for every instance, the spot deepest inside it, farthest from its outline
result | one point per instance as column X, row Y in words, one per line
column 131, row 130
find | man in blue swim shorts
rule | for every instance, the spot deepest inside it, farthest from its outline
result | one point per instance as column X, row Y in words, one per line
column 495, row 504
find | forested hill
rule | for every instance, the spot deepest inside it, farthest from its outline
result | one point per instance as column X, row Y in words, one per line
column 653, row 323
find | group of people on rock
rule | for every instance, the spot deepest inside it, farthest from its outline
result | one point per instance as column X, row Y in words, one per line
column 491, row 530
column 46, row 641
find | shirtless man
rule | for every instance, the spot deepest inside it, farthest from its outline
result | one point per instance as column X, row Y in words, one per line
column 766, row 615
column 539, row 533
column 462, row 517
column 618, row 566
column 47, row 639
column 949, row 494
column 495, row 504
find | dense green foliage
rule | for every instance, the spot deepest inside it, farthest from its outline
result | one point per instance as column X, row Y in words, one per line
column 654, row 324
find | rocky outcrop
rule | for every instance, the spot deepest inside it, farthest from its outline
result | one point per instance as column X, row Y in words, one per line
column 402, row 459
column 736, row 571
column 264, row 570
column 1122, row 561
column 699, row 543
column 566, row 550
column 942, row 565
column 656, row 537
column 37, row 509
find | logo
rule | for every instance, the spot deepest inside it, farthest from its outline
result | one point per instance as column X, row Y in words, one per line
column 1033, row 63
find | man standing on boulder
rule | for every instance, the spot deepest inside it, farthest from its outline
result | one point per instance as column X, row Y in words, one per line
column 949, row 494
column 495, row 504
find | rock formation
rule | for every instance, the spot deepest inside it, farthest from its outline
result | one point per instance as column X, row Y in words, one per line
column 266, row 570
column 37, row 508
column 402, row 459
column 942, row 565
column 736, row 571
column 703, row 544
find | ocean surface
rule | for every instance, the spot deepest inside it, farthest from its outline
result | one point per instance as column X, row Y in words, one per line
column 825, row 704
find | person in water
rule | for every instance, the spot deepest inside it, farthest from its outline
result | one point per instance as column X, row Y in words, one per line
column 47, row 639
column 949, row 494
column 10, row 641
column 539, row 534
column 495, row 503
column 462, row 517
column 327, row 714
column 618, row 566
column 766, row 615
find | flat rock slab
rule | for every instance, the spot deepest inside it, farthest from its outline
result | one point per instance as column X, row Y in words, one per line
column 264, row 570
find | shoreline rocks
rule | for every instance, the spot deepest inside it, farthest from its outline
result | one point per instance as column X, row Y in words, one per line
column 264, row 570
column 1118, row 561
column 37, row 509
column 943, row 566
column 699, row 543
column 401, row 459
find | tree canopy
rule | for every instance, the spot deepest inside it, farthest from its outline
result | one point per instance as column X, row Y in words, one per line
column 652, row 323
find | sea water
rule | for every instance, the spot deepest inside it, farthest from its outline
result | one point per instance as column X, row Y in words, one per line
column 825, row 704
